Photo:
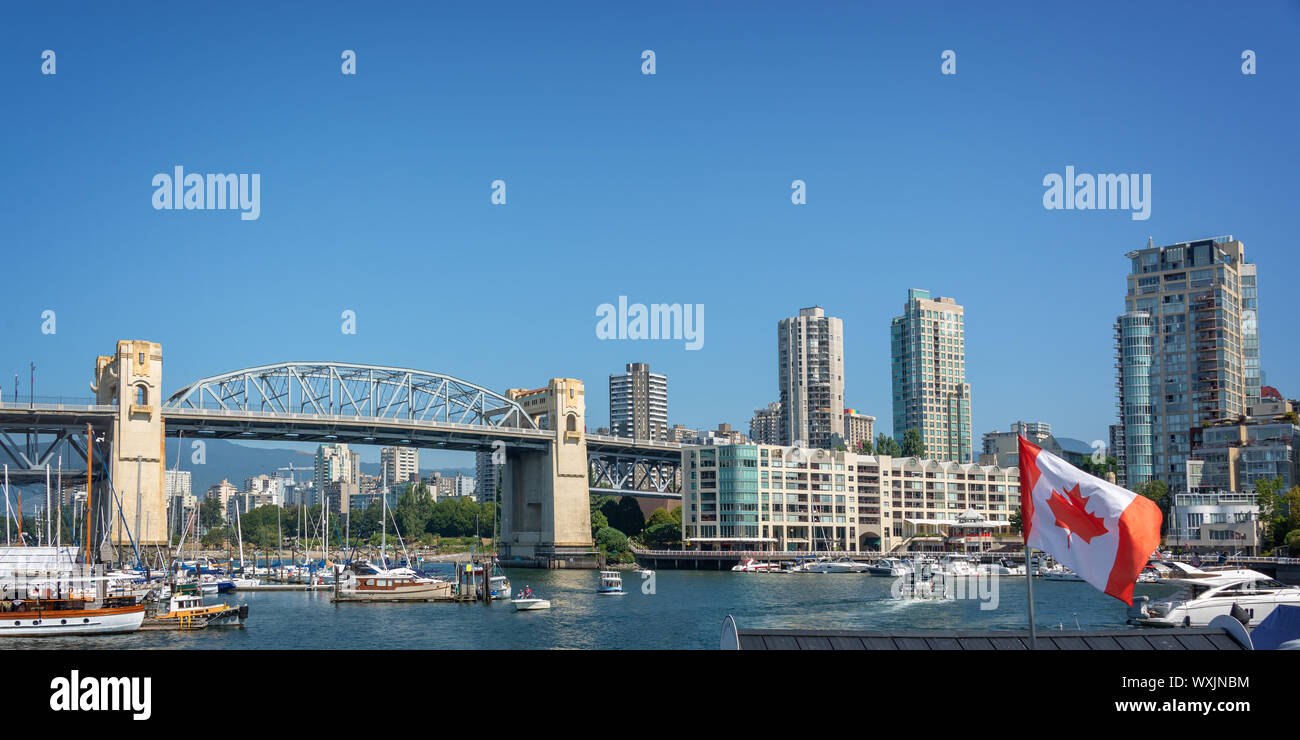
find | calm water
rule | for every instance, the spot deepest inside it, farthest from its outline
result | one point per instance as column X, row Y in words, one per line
column 686, row 611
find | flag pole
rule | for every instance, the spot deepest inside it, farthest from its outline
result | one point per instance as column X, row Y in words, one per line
column 1029, row 590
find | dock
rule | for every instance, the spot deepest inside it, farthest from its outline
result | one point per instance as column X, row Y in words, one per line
column 287, row 587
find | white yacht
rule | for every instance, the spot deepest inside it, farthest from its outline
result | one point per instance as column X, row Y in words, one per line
column 1200, row 600
column 1059, row 572
column 753, row 566
column 839, row 565
column 890, row 567
column 957, row 565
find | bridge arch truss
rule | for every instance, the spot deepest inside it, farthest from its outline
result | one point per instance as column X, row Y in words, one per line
column 346, row 389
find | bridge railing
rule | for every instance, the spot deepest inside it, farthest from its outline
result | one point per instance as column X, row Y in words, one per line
column 57, row 403
column 175, row 411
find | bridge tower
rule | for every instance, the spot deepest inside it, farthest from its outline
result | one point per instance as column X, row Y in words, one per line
column 131, row 379
column 546, row 509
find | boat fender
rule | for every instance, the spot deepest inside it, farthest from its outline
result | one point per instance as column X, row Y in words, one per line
column 1139, row 608
column 1240, row 614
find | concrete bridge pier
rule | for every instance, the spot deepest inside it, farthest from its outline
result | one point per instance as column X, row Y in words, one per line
column 131, row 379
column 545, row 504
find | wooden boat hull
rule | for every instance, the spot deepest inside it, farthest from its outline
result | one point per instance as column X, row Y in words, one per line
column 421, row 592
column 72, row 622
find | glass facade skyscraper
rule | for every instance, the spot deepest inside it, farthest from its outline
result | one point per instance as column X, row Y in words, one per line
column 1187, row 351
column 928, row 350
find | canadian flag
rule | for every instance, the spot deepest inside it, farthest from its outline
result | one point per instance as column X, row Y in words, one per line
column 1100, row 531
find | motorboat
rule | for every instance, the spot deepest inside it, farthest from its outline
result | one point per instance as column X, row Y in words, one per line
column 209, row 584
column 526, row 602
column 498, row 584
column 839, row 565
column 753, row 566
column 891, row 567
column 1058, row 572
column 958, row 565
column 1250, row 594
column 366, row 582
column 187, row 610
column 611, row 582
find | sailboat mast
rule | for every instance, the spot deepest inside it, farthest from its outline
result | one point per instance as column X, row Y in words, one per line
column 239, row 532
column 58, row 520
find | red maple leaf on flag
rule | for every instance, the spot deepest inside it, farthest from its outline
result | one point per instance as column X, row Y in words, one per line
column 1072, row 515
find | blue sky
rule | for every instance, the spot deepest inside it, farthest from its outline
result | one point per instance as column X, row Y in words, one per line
column 672, row 188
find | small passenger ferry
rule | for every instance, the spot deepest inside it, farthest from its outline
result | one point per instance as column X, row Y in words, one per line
column 611, row 582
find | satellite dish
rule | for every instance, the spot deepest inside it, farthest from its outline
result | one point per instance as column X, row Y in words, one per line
column 1235, row 629
column 730, row 637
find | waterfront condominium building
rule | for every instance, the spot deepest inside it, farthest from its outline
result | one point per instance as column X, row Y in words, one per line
column 765, row 427
column 177, row 483
column 858, row 428
column 1187, row 351
column 767, row 497
column 335, row 463
column 928, row 350
column 398, row 464
column 221, row 493
column 486, row 475
column 1236, row 454
column 810, row 371
column 638, row 403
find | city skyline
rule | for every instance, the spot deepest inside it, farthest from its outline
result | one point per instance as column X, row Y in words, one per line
column 681, row 190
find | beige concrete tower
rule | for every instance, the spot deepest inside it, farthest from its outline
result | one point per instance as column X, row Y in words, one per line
column 546, row 510
column 132, row 381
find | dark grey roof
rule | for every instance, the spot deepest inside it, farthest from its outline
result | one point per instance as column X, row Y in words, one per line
column 1070, row 444
column 1127, row 639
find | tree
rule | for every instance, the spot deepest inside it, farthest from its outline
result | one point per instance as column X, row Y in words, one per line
column 613, row 544
column 216, row 537
column 1293, row 542
column 210, row 514
column 598, row 522
column 1158, row 491
column 913, row 446
column 413, row 510
column 866, row 448
column 888, row 446
column 1017, row 523
column 663, row 530
column 1292, row 505
column 628, row 518
column 1099, row 469
column 1272, row 510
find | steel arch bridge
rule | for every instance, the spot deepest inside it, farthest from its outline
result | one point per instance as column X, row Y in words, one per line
column 344, row 389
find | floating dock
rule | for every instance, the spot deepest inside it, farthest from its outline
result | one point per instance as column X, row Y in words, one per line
column 287, row 587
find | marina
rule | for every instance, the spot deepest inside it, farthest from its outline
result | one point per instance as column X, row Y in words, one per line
column 683, row 611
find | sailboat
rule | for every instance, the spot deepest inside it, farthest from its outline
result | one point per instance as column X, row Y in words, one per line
column 241, row 581
column 364, row 581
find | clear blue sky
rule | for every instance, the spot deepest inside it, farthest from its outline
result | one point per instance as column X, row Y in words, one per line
column 666, row 188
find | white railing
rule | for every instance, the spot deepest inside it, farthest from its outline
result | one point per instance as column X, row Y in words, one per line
column 350, row 419
column 24, row 405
